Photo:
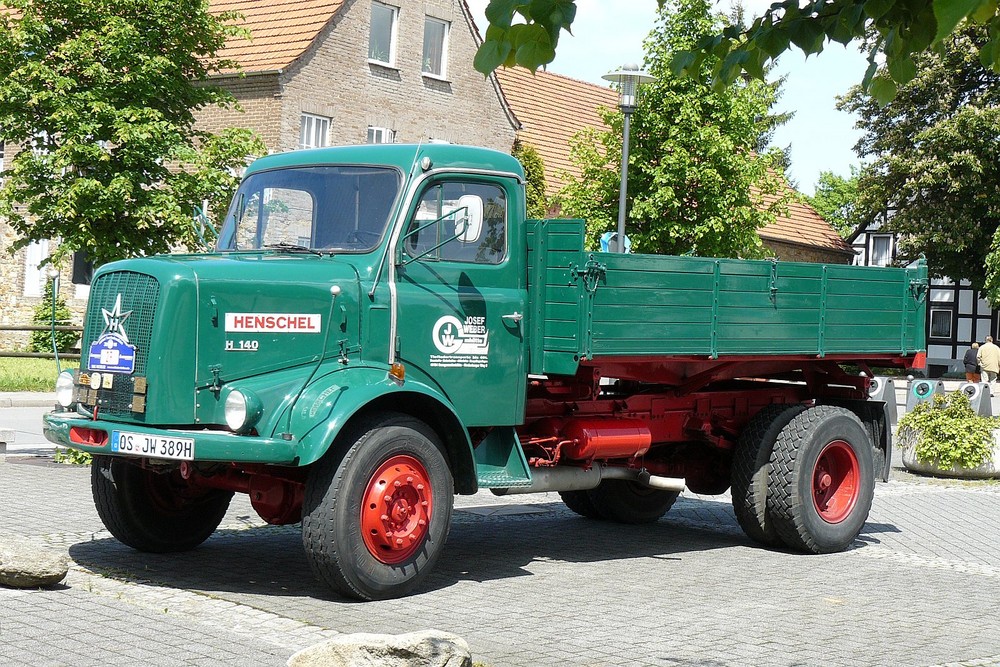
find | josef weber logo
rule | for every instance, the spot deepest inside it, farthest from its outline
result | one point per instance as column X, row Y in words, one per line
column 452, row 336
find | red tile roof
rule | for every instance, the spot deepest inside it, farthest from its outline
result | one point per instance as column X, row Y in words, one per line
column 804, row 226
column 552, row 108
column 281, row 30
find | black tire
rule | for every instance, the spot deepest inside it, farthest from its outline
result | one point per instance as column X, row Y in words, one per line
column 342, row 497
column 627, row 502
column 751, row 462
column 821, row 481
column 580, row 502
column 151, row 510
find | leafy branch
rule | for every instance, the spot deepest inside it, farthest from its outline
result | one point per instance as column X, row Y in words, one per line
column 891, row 29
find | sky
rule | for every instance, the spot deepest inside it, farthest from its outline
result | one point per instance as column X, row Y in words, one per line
column 608, row 34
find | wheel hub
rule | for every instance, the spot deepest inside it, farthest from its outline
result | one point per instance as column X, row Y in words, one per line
column 836, row 482
column 396, row 509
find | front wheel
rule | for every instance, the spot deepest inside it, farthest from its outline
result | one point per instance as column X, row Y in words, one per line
column 377, row 515
column 154, row 510
column 821, row 480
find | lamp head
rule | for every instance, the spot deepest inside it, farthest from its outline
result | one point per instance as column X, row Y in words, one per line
column 628, row 78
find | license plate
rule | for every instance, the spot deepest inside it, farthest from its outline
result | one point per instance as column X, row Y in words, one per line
column 153, row 446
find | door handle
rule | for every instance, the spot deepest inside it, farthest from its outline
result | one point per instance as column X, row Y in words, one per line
column 513, row 317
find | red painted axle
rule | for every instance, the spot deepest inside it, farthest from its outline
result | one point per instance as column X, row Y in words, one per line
column 277, row 500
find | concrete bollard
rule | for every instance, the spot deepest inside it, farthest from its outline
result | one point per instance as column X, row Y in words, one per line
column 6, row 436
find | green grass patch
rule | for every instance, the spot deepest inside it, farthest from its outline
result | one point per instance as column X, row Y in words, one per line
column 25, row 374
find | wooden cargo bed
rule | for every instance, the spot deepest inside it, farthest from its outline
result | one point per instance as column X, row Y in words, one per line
column 593, row 305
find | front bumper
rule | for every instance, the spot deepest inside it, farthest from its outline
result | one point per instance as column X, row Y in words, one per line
column 208, row 445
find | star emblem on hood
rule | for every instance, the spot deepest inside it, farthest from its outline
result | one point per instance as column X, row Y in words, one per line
column 115, row 318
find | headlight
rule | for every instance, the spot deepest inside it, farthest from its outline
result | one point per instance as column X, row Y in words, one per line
column 242, row 410
column 64, row 389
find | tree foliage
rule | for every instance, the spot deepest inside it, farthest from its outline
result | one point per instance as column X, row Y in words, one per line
column 934, row 167
column 697, row 177
column 893, row 29
column 52, row 306
column 534, row 175
column 836, row 200
column 896, row 30
column 101, row 95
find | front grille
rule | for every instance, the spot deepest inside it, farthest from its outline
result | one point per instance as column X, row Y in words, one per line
column 139, row 295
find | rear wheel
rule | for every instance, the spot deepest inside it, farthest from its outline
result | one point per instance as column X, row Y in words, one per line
column 580, row 502
column 153, row 510
column 751, row 462
column 821, row 481
column 377, row 516
column 627, row 502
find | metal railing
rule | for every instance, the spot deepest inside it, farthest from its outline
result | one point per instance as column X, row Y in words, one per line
column 38, row 327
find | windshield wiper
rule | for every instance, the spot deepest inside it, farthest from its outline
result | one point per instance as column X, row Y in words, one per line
column 291, row 247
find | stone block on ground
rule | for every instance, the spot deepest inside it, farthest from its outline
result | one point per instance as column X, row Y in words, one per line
column 24, row 565
column 427, row 648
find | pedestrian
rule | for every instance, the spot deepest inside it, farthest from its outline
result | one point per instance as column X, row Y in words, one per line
column 972, row 364
column 989, row 360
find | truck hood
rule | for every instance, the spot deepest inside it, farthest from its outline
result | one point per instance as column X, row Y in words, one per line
column 201, row 321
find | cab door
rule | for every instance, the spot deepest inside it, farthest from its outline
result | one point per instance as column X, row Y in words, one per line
column 461, row 292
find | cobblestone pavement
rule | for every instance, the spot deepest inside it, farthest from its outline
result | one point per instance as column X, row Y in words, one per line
column 525, row 582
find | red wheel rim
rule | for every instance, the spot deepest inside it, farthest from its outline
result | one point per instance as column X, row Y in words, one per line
column 396, row 509
column 836, row 482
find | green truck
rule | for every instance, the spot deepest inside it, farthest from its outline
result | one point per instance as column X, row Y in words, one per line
column 380, row 327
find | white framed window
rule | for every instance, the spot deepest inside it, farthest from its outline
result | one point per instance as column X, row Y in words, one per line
column 382, row 38
column 381, row 135
column 435, row 59
column 940, row 323
column 2, row 153
column 314, row 131
column 34, row 278
column 880, row 251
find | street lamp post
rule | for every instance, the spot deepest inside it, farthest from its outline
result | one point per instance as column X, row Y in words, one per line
column 52, row 272
column 628, row 78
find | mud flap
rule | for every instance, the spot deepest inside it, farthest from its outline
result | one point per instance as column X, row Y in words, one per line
column 878, row 418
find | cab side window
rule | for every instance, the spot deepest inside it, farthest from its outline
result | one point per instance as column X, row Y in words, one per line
column 459, row 222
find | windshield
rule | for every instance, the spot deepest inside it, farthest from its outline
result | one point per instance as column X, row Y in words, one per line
column 333, row 208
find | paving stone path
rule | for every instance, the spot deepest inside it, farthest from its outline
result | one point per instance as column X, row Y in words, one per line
column 526, row 583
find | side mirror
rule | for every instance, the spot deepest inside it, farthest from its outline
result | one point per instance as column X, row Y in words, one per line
column 469, row 221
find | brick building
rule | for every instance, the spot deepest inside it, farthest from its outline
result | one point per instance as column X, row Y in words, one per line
column 324, row 72
column 329, row 72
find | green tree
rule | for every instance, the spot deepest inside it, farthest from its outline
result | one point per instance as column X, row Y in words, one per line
column 534, row 174
column 41, row 341
column 696, row 174
column 526, row 33
column 103, row 93
column 836, row 200
column 934, row 169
